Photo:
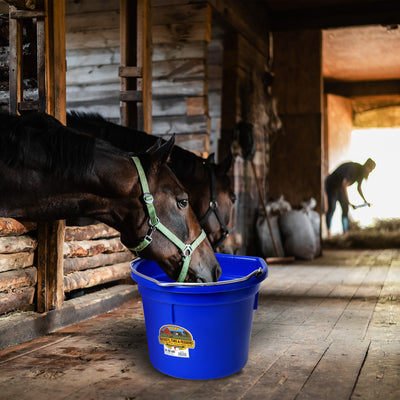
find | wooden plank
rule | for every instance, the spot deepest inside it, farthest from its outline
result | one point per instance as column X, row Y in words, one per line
column 99, row 20
column 50, row 291
column 82, row 93
column 163, row 15
column 12, row 227
column 175, row 124
column 179, row 50
column 146, row 16
column 15, row 63
column 169, row 106
column 196, row 106
column 16, row 260
column 179, row 69
column 92, row 39
column 21, row 14
column 88, row 6
column 131, row 95
column 362, row 88
column 130, row 72
column 333, row 15
column 98, row 56
column 285, row 378
column 93, row 75
column 95, row 231
column 84, row 248
column 379, row 377
column 96, row 276
column 192, row 87
column 180, row 32
column 15, row 244
column 336, row 372
column 18, row 299
column 19, row 278
column 98, row 260
column 22, row 328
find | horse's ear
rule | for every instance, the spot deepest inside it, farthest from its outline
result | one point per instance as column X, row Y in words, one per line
column 161, row 150
column 225, row 164
column 211, row 158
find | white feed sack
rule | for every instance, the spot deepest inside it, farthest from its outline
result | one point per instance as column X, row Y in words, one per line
column 298, row 235
column 264, row 236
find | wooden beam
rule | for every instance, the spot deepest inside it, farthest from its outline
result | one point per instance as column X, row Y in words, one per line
column 362, row 88
column 50, row 290
column 130, row 72
column 56, row 59
column 386, row 12
column 131, row 95
column 50, row 293
column 15, row 63
column 136, row 63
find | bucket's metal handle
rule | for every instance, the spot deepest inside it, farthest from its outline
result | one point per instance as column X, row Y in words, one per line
column 256, row 273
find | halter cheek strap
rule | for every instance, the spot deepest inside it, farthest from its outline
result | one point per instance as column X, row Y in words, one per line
column 154, row 222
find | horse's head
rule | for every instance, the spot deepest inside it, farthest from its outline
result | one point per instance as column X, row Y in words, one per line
column 217, row 207
column 171, row 234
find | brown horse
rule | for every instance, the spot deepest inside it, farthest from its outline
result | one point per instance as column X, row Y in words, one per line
column 49, row 171
column 207, row 183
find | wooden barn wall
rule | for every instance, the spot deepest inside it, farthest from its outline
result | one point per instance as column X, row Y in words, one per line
column 296, row 166
column 18, row 265
column 93, row 57
column 180, row 71
column 244, row 99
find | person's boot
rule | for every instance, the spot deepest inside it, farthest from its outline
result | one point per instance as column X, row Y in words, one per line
column 345, row 224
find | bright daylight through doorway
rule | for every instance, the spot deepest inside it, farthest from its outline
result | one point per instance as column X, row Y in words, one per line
column 381, row 189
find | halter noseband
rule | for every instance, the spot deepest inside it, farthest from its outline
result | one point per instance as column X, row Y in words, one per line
column 213, row 208
column 154, row 222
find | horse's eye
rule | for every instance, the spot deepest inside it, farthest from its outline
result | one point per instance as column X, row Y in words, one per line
column 183, row 203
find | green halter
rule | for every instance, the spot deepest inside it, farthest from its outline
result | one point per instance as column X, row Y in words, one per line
column 154, row 222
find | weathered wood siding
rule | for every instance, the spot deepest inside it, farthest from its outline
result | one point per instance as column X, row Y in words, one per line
column 244, row 99
column 18, row 273
column 93, row 57
column 180, row 72
column 94, row 255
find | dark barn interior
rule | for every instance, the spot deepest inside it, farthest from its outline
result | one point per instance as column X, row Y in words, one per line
column 280, row 84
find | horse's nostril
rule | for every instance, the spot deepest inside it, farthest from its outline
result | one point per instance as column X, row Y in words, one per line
column 200, row 280
column 217, row 273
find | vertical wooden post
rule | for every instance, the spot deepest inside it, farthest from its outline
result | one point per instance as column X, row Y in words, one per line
column 146, row 57
column 15, row 69
column 51, row 234
column 135, row 71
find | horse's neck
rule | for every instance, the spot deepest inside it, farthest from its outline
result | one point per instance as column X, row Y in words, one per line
column 33, row 195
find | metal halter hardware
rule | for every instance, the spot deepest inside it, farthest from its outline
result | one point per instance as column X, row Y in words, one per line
column 155, row 224
column 213, row 208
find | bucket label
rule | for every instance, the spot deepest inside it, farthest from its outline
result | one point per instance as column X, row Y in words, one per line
column 176, row 340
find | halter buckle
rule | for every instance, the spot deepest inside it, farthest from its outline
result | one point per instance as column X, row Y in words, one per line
column 187, row 251
column 154, row 226
column 148, row 198
column 213, row 204
column 148, row 238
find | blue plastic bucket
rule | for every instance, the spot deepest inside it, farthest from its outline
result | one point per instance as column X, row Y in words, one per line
column 200, row 331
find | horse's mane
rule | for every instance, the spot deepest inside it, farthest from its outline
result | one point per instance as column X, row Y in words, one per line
column 41, row 141
column 183, row 162
column 124, row 138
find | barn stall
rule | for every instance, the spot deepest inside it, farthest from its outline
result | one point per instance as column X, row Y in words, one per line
column 211, row 65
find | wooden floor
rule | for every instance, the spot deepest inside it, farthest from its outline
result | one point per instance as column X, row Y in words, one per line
column 328, row 329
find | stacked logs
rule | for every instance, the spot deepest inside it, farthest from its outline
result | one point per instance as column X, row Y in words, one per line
column 18, row 275
column 94, row 255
